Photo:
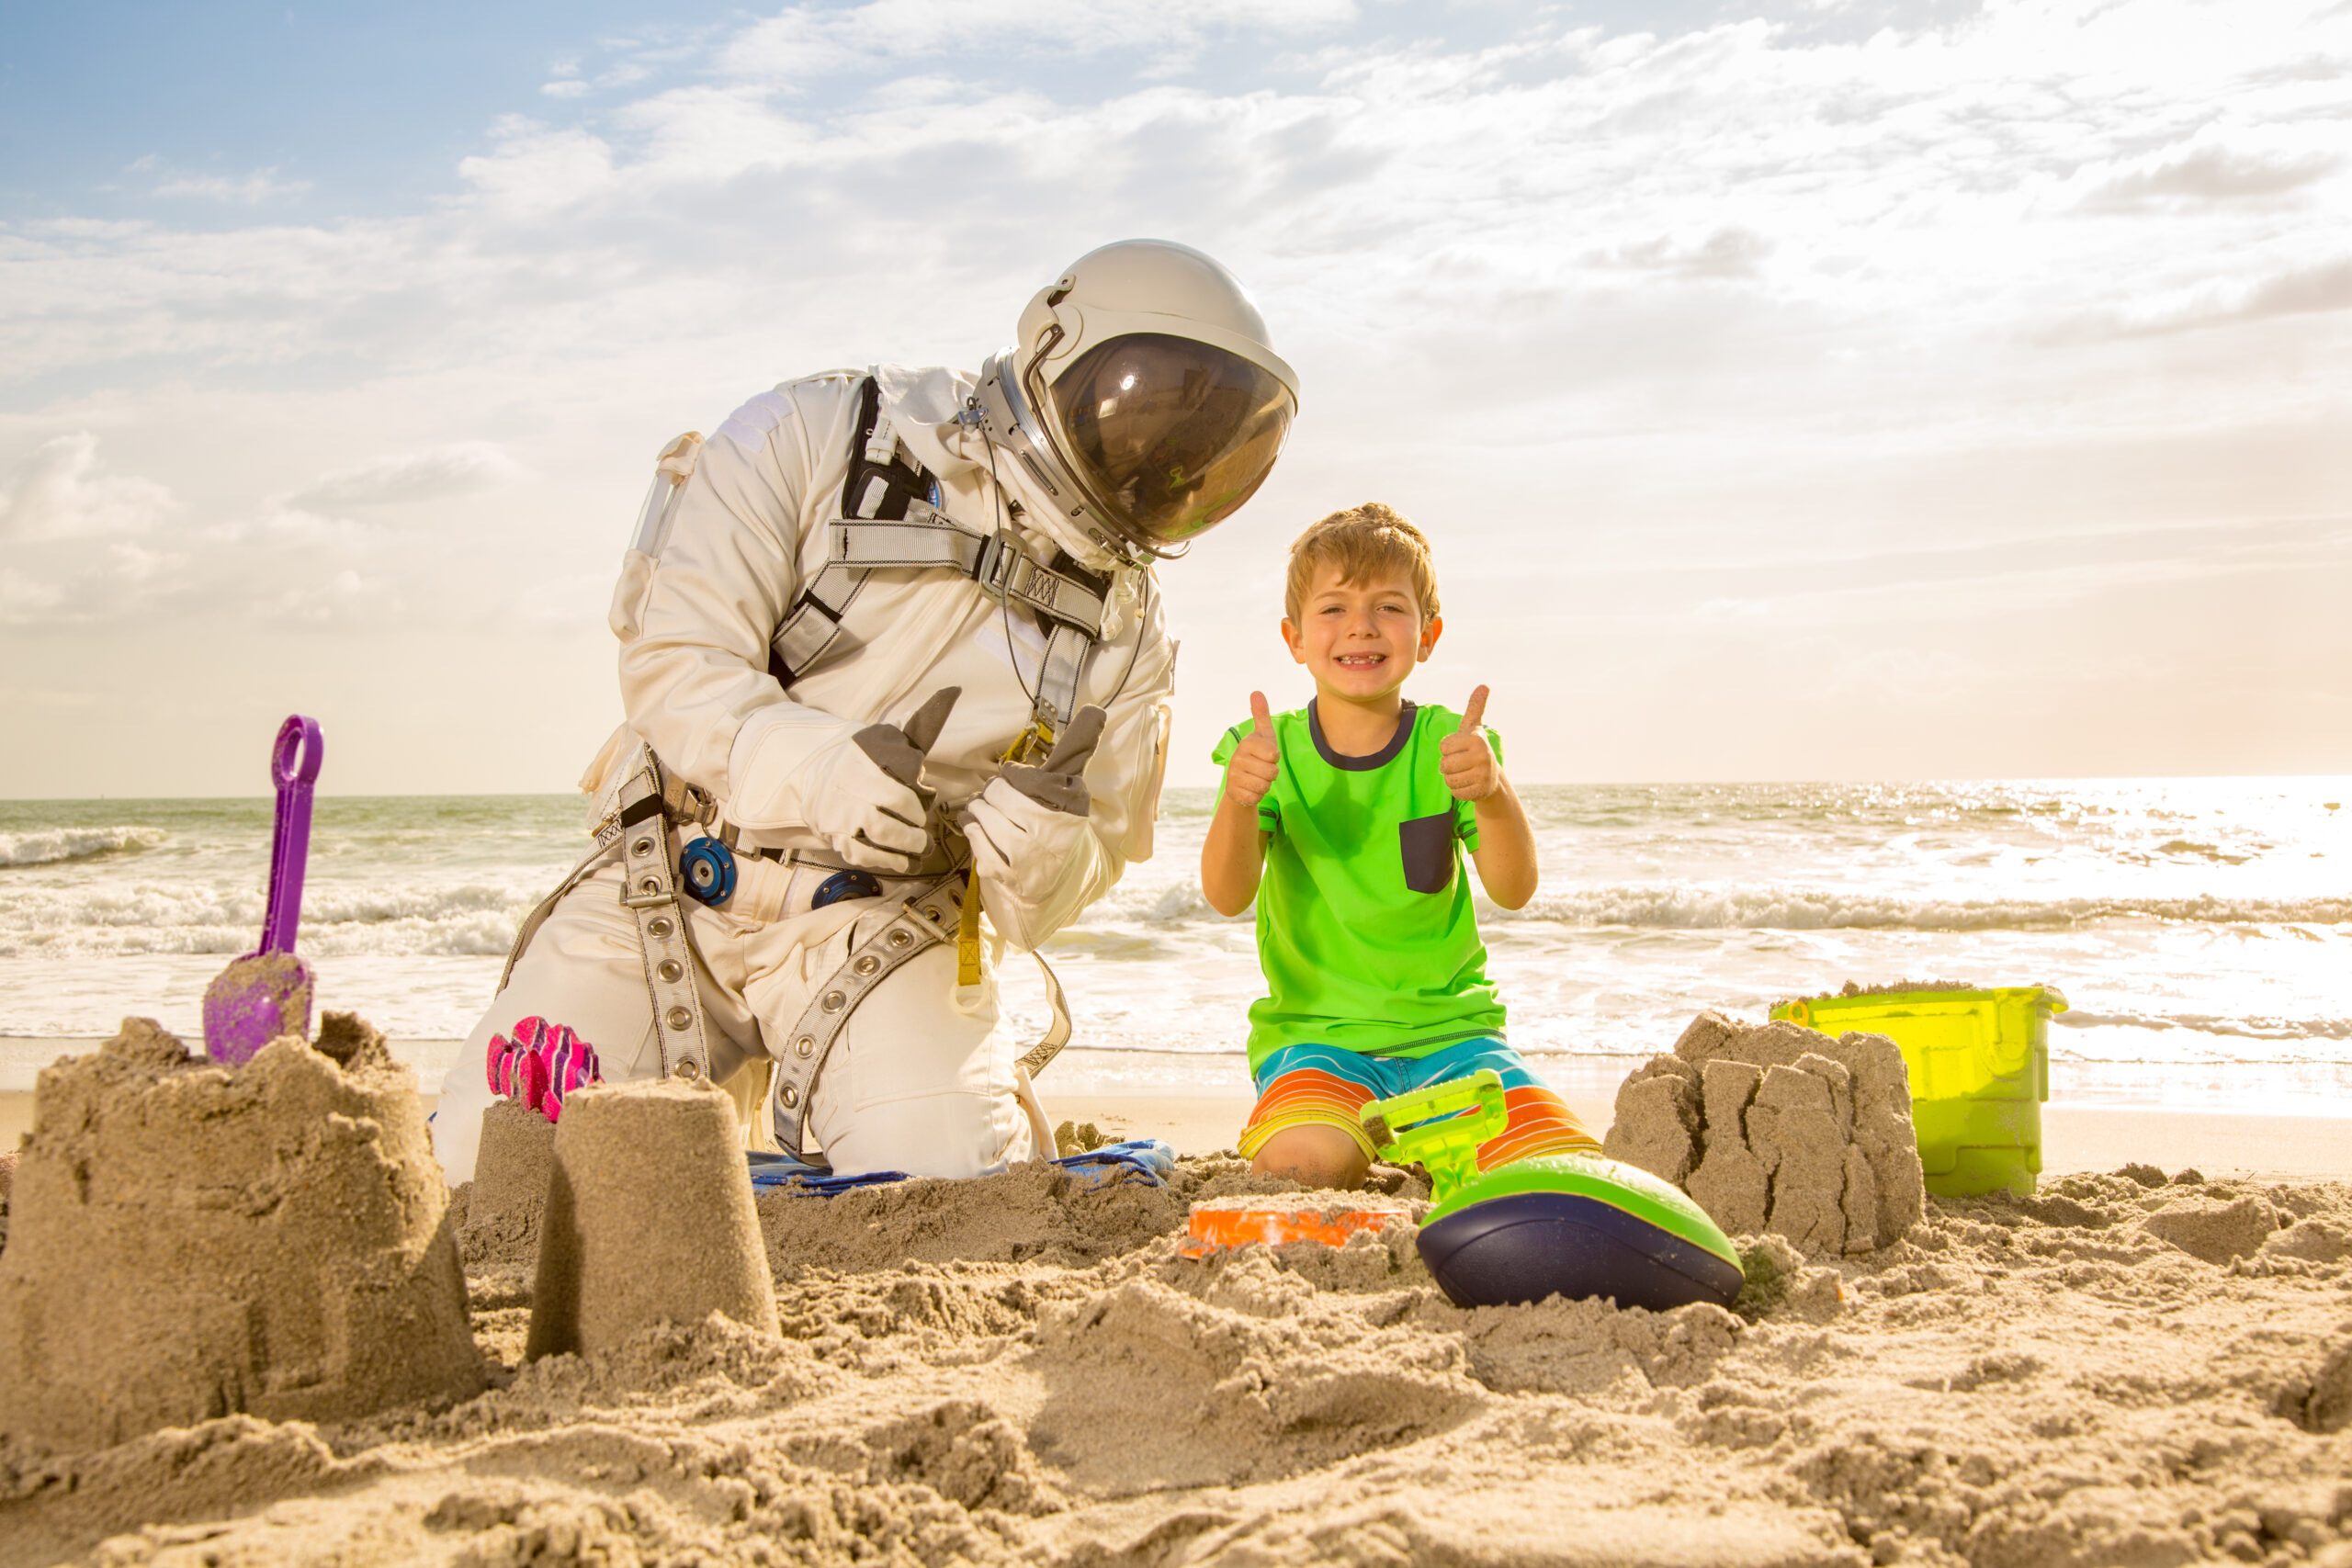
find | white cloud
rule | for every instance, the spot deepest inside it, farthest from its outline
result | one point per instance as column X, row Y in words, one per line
column 2304, row 290
column 804, row 42
column 2210, row 173
column 60, row 494
column 1727, row 252
column 23, row 598
column 536, row 169
column 459, row 468
column 1900, row 187
column 2327, row 287
column 288, row 529
column 1689, row 307
column 135, row 563
column 344, row 596
column 249, row 190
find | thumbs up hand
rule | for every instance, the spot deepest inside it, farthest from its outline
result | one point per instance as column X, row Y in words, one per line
column 1032, row 838
column 865, row 794
column 1467, row 761
column 1255, row 761
column 1061, row 783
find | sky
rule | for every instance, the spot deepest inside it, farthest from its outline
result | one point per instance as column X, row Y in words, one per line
column 1810, row 390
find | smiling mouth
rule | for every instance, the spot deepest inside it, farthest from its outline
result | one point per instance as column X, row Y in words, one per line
column 1359, row 661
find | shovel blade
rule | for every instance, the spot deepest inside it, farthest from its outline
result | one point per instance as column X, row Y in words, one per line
column 252, row 1002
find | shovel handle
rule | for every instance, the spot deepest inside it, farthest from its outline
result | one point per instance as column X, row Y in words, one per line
column 294, row 767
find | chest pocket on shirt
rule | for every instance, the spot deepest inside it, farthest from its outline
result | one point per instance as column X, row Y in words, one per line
column 1427, row 845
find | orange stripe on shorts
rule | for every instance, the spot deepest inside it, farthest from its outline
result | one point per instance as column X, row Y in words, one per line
column 1541, row 1123
column 1303, row 1098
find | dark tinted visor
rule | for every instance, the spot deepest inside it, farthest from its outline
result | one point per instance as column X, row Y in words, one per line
column 1171, row 434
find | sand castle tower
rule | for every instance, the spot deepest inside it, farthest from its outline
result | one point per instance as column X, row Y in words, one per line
column 649, row 1218
column 187, row 1241
column 510, row 1188
column 1775, row 1128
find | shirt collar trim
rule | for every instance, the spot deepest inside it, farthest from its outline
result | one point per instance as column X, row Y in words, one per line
column 1381, row 757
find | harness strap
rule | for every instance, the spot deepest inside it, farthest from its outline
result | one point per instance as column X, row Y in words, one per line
column 814, row 623
column 649, row 891
column 891, row 519
column 922, row 923
column 638, row 830
column 1057, row 677
column 879, row 483
column 1034, row 1060
column 546, row 906
column 681, row 802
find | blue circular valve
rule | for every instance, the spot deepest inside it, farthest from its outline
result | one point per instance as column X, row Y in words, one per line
column 709, row 867
column 850, row 884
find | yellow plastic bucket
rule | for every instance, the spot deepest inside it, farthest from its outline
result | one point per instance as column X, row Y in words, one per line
column 1980, row 1069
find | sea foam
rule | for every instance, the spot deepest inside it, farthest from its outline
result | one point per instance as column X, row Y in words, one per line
column 48, row 846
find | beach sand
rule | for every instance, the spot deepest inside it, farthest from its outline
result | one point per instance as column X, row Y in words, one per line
column 2073, row 1137
column 2151, row 1365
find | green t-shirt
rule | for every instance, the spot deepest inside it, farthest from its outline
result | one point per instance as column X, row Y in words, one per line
column 1364, row 927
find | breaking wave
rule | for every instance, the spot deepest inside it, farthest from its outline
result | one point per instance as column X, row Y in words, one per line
column 1783, row 908
column 2207, row 1024
column 1158, row 903
column 471, row 920
column 47, row 846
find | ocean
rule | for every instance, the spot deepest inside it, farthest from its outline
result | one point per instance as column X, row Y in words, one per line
column 2200, row 929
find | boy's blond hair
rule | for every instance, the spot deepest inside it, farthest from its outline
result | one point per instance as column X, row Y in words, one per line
column 1362, row 542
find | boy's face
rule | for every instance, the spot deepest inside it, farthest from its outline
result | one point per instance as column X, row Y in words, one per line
column 1359, row 639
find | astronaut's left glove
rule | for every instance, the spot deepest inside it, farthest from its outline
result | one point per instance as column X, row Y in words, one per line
column 1032, row 846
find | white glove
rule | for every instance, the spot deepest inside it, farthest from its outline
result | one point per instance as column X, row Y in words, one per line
column 1034, row 848
column 864, row 791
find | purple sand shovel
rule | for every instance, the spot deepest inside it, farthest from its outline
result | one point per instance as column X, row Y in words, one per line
column 266, row 993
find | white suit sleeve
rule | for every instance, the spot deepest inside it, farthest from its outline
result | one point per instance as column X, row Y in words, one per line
column 694, row 679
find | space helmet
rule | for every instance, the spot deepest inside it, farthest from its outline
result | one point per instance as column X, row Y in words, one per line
column 1142, row 399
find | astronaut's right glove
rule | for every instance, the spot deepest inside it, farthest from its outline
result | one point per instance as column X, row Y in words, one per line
column 863, row 792
column 1061, row 783
column 1033, row 845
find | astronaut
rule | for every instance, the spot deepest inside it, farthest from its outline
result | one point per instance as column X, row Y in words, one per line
column 895, row 673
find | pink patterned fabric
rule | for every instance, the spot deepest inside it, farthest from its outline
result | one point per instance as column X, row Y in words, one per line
column 504, row 1053
column 531, row 1083
column 540, row 1064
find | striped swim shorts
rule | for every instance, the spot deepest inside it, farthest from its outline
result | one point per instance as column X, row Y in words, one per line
column 1323, row 1085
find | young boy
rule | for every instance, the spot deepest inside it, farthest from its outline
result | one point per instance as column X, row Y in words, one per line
column 1350, row 810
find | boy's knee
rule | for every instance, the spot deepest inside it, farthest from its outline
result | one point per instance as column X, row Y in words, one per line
column 1313, row 1157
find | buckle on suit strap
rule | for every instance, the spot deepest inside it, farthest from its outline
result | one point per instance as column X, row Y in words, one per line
column 1006, row 572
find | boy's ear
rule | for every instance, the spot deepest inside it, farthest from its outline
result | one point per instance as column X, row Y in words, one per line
column 1289, row 640
column 1430, row 636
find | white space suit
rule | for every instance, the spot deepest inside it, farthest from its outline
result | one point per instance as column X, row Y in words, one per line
column 776, row 661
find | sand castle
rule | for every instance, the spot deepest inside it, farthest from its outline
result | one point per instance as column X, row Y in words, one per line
column 508, row 1195
column 1776, row 1129
column 648, row 1220
column 188, row 1241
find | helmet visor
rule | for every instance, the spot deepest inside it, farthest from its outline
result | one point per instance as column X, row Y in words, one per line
column 1172, row 435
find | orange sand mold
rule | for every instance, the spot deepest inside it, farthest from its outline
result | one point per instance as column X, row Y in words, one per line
column 1278, row 1219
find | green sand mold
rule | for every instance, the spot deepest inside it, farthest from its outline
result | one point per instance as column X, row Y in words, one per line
column 1979, row 1065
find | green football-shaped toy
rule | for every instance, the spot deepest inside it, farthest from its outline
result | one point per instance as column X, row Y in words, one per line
column 1575, row 1226
column 1578, row 1225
